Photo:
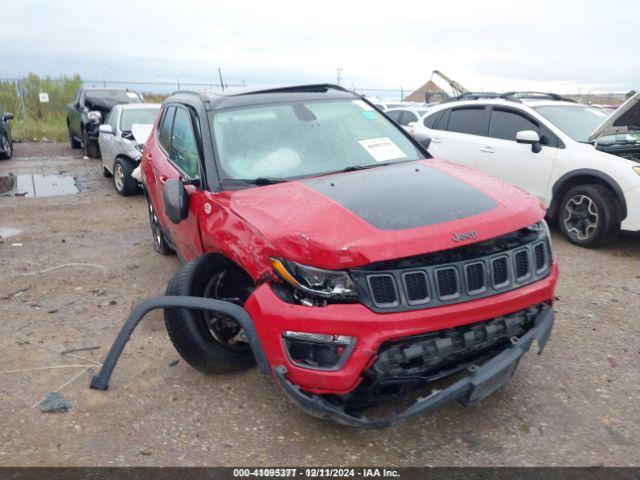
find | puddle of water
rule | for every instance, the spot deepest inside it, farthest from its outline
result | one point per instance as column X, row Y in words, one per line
column 37, row 185
column 9, row 232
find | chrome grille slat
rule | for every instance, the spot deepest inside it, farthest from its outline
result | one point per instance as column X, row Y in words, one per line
column 458, row 281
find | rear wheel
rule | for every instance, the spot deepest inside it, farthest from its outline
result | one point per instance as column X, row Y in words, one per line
column 6, row 148
column 211, row 343
column 588, row 216
column 160, row 245
column 122, row 179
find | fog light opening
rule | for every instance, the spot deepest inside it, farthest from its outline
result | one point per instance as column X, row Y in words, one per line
column 318, row 351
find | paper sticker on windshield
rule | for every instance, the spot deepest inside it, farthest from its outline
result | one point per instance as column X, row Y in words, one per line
column 363, row 105
column 132, row 95
column 382, row 149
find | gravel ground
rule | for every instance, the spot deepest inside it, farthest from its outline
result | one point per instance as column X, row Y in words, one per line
column 577, row 404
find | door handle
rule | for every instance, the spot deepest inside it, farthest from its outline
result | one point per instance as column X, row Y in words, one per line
column 163, row 179
column 487, row 150
column 147, row 155
column 436, row 140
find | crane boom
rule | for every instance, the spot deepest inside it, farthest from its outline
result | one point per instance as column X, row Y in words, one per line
column 457, row 88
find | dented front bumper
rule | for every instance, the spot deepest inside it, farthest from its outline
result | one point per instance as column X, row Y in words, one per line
column 478, row 384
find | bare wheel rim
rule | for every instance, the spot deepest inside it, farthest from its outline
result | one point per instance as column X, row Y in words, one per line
column 118, row 177
column 224, row 329
column 156, row 231
column 581, row 217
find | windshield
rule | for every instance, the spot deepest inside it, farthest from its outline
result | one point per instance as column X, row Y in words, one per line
column 138, row 115
column 297, row 139
column 113, row 96
column 575, row 120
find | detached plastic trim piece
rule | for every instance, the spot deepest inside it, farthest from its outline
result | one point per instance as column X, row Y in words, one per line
column 239, row 314
column 481, row 382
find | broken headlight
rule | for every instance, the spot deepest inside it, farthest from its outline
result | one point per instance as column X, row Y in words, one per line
column 94, row 115
column 316, row 282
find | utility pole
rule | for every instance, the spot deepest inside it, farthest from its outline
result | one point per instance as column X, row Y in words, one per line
column 339, row 74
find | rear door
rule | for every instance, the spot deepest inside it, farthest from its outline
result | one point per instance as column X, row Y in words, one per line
column 516, row 163
column 459, row 134
column 182, row 159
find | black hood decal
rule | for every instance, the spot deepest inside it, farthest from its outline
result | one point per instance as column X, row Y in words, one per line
column 403, row 196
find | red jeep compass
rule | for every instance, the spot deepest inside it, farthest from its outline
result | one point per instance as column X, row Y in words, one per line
column 340, row 257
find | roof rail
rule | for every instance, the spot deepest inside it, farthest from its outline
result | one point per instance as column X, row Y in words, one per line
column 536, row 96
column 314, row 87
column 472, row 96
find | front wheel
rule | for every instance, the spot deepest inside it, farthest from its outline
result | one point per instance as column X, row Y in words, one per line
column 75, row 144
column 91, row 148
column 588, row 216
column 122, row 179
column 211, row 343
column 6, row 149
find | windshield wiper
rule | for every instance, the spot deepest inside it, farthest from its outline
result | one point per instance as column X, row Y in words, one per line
column 256, row 181
column 354, row 168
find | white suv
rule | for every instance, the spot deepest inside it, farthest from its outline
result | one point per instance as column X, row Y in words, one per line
column 582, row 163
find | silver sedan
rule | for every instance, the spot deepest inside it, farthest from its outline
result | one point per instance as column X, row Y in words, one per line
column 122, row 139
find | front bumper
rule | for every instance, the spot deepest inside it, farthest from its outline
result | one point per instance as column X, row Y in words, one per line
column 481, row 382
column 632, row 222
column 271, row 317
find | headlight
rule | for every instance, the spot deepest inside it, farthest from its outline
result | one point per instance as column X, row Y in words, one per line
column 637, row 170
column 542, row 227
column 328, row 284
column 94, row 115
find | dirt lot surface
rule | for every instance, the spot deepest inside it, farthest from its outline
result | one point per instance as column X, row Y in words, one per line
column 79, row 262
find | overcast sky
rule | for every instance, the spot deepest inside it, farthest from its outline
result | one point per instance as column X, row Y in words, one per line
column 485, row 45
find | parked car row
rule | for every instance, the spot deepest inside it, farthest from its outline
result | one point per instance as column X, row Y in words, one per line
column 581, row 162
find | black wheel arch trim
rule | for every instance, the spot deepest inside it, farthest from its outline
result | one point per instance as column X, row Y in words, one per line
column 239, row 314
column 608, row 180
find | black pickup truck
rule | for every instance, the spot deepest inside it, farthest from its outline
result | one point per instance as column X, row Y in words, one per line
column 89, row 110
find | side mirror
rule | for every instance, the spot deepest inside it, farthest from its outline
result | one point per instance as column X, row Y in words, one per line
column 106, row 129
column 529, row 137
column 176, row 200
column 423, row 139
column 8, row 116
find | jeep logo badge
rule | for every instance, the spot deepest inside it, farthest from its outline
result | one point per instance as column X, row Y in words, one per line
column 470, row 235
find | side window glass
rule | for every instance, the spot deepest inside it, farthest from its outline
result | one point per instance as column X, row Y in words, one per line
column 407, row 118
column 184, row 147
column 468, row 120
column 395, row 115
column 505, row 125
column 430, row 121
column 164, row 130
column 113, row 119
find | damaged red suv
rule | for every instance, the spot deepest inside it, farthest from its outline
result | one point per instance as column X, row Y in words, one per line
column 323, row 242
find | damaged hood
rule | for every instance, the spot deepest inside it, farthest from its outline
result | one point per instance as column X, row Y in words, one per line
column 626, row 119
column 353, row 219
column 141, row 132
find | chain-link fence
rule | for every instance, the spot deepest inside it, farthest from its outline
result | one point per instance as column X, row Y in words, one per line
column 39, row 103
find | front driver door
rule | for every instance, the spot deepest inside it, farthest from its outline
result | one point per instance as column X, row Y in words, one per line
column 184, row 161
column 515, row 163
